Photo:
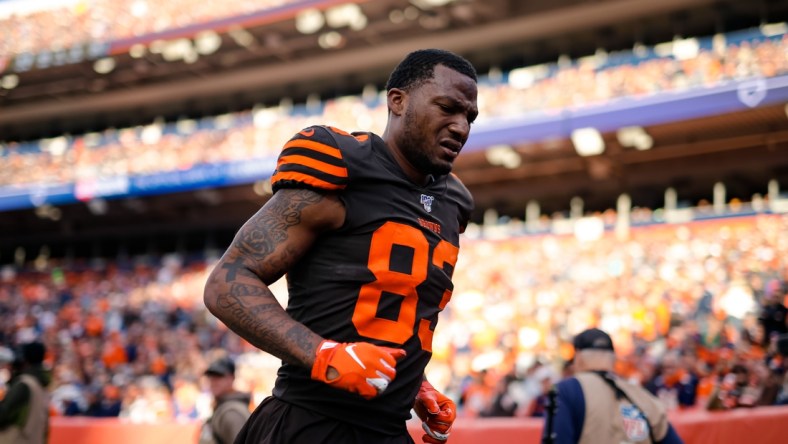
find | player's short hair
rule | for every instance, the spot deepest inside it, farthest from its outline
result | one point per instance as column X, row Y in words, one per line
column 419, row 66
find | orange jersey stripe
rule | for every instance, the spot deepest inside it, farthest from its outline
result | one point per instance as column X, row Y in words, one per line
column 313, row 163
column 305, row 178
column 314, row 146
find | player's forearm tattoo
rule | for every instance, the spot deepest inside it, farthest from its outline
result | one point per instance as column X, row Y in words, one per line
column 244, row 309
column 301, row 337
column 247, row 306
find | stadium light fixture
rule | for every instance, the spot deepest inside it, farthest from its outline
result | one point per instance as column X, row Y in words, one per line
column 207, row 42
column 139, row 9
column 177, row 50
column 634, row 137
column 137, row 51
column 359, row 22
column 309, row 21
column 503, row 155
column 589, row 229
column 186, row 126
column 265, row 117
column 55, row 146
column 104, row 65
column 241, row 37
column 396, row 16
column 151, row 134
column 191, row 56
column 348, row 14
column 588, row 141
column 685, row 49
column 521, row 78
column 411, row 13
column 664, row 49
column 9, row 81
column 47, row 211
column 331, row 40
column 773, row 29
column 157, row 46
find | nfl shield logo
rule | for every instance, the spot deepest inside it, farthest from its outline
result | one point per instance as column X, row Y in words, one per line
column 635, row 425
column 427, row 202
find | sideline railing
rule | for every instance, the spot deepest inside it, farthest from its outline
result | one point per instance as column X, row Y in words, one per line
column 762, row 425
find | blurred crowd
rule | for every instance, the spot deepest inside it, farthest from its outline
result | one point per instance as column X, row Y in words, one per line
column 125, row 338
column 260, row 133
column 694, row 310
column 62, row 24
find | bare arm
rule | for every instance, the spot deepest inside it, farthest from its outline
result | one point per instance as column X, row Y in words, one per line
column 268, row 244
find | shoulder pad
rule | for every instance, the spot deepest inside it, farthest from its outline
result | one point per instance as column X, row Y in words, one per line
column 311, row 159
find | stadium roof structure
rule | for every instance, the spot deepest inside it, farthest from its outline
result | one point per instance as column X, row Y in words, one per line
column 742, row 147
column 264, row 57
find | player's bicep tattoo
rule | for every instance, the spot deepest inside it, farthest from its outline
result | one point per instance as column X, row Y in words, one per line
column 268, row 229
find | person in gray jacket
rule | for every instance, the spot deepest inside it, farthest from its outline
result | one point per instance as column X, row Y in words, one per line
column 596, row 407
column 24, row 411
column 231, row 408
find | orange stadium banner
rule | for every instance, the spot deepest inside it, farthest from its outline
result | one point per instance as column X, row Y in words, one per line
column 763, row 425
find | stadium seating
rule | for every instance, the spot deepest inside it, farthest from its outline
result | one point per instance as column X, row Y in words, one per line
column 34, row 29
column 138, row 327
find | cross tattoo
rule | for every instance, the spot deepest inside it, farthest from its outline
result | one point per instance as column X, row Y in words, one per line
column 232, row 269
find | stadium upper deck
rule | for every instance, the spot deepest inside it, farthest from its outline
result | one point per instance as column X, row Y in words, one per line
column 262, row 56
column 740, row 148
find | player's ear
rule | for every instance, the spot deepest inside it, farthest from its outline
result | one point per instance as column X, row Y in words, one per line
column 396, row 99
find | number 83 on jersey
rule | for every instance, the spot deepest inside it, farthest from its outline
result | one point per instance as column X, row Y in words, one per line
column 398, row 331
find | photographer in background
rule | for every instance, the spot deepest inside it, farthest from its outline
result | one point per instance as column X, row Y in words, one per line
column 231, row 408
column 24, row 411
column 596, row 407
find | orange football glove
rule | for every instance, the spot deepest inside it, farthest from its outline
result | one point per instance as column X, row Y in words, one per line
column 437, row 413
column 360, row 367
